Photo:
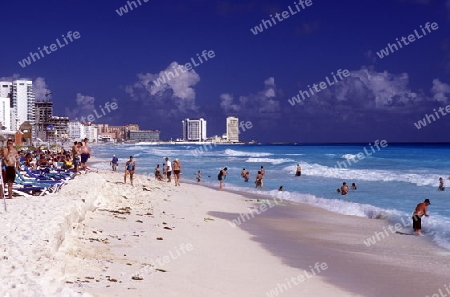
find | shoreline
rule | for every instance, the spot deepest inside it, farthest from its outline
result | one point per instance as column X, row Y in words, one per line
column 299, row 235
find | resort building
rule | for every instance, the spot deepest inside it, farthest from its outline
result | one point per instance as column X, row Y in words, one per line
column 21, row 100
column 143, row 135
column 194, row 130
column 232, row 129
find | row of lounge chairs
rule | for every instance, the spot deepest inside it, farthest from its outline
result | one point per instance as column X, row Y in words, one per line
column 39, row 182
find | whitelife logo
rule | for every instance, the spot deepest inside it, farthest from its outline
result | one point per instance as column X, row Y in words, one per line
column 411, row 38
column 124, row 9
column 285, row 14
column 53, row 48
column 187, row 67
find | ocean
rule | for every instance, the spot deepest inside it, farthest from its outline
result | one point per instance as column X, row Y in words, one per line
column 391, row 180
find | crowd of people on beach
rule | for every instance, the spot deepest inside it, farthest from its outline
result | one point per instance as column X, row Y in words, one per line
column 32, row 171
column 169, row 168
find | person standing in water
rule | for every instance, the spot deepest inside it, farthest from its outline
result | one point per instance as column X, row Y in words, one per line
column 130, row 167
column 221, row 176
column 244, row 174
column 259, row 180
column 263, row 171
column 419, row 212
column 441, row 184
column 344, row 188
column 298, row 172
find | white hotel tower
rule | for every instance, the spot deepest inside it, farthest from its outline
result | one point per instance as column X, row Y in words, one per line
column 194, row 130
column 21, row 105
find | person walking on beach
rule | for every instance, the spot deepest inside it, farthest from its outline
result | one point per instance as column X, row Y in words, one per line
column 114, row 163
column 130, row 167
column 176, row 171
column 11, row 161
column 298, row 172
column 441, row 184
column 344, row 188
column 168, row 170
column 259, row 180
column 199, row 176
column 419, row 212
column 244, row 174
column 221, row 177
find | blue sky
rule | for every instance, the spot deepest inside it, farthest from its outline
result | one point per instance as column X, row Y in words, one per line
column 117, row 58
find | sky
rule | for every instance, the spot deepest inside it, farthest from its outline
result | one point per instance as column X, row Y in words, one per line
column 114, row 55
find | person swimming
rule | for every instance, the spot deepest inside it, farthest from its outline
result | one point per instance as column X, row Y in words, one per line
column 344, row 188
column 441, row 184
column 354, row 186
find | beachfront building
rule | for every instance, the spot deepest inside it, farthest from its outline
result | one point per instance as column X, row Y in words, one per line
column 44, row 112
column 75, row 130
column 90, row 132
column 143, row 135
column 114, row 133
column 194, row 130
column 232, row 129
column 5, row 114
column 21, row 101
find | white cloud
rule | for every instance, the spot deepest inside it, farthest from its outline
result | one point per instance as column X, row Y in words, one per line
column 40, row 89
column 260, row 104
column 174, row 94
column 440, row 91
column 85, row 107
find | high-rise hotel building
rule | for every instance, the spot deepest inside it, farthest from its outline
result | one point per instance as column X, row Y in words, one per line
column 194, row 130
column 19, row 94
column 232, row 129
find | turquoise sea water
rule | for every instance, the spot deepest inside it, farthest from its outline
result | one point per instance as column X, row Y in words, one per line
column 390, row 180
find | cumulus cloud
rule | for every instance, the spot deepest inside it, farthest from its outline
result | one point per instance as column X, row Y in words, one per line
column 41, row 90
column 85, row 107
column 440, row 91
column 171, row 90
column 262, row 103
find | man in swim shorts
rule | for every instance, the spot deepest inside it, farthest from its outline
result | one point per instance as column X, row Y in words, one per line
column 419, row 212
column 11, row 160
column 169, row 170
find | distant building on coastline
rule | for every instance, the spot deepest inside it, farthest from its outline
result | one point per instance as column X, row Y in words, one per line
column 232, row 129
column 143, row 135
column 194, row 130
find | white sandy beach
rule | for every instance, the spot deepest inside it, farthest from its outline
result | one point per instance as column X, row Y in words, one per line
column 99, row 237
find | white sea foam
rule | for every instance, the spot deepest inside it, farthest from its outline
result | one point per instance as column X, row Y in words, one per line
column 234, row 153
column 275, row 161
column 348, row 156
column 423, row 179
